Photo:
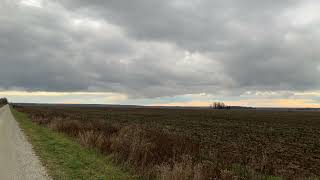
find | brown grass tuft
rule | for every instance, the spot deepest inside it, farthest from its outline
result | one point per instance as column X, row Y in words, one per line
column 91, row 139
column 188, row 169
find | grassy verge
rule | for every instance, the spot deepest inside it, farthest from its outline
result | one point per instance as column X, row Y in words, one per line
column 65, row 158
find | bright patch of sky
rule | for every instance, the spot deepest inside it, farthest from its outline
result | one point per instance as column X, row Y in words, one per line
column 32, row 3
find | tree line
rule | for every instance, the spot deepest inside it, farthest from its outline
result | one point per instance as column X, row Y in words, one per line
column 219, row 105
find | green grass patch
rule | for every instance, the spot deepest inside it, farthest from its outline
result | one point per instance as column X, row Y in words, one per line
column 64, row 158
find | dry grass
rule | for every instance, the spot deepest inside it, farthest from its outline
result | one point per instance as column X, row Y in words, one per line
column 188, row 169
column 135, row 146
column 91, row 139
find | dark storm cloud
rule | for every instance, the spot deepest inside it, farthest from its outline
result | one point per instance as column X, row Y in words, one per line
column 159, row 48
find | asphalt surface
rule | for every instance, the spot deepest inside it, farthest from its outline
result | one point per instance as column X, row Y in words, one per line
column 17, row 158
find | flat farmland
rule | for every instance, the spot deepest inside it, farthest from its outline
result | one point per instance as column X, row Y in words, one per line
column 244, row 143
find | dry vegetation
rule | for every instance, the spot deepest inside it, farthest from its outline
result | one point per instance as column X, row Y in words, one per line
column 195, row 144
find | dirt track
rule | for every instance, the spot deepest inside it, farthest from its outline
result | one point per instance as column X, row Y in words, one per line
column 17, row 159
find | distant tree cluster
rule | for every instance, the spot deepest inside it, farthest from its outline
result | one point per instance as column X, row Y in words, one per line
column 219, row 105
column 3, row 101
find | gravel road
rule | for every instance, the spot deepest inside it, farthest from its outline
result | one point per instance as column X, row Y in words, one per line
column 17, row 158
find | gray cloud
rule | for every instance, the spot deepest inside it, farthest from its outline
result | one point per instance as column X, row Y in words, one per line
column 159, row 48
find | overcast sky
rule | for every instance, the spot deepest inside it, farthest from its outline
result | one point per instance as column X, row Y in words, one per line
column 167, row 52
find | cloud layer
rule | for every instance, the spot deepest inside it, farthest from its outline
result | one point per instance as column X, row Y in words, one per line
column 150, row 49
